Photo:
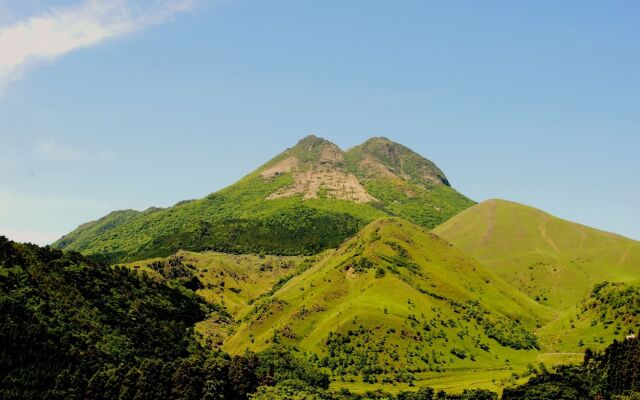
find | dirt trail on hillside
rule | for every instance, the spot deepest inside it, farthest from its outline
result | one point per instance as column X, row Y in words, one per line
column 543, row 231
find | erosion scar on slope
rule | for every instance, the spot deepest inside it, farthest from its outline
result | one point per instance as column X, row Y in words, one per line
column 545, row 236
column 287, row 165
column 624, row 256
column 492, row 215
column 336, row 184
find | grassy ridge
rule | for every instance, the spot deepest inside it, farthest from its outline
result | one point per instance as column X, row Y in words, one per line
column 612, row 310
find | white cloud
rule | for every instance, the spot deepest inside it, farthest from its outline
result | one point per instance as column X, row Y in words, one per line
column 58, row 31
column 52, row 150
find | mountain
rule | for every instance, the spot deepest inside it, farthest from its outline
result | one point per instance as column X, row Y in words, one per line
column 392, row 303
column 555, row 262
column 309, row 198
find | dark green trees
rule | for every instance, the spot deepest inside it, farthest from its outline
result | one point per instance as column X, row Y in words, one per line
column 64, row 319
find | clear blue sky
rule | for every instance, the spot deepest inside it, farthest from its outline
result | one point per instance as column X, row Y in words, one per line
column 165, row 100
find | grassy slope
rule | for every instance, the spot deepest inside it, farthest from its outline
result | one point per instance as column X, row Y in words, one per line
column 411, row 318
column 233, row 281
column 552, row 260
column 239, row 219
column 612, row 310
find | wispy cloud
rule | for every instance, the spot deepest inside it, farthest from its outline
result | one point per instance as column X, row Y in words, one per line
column 52, row 150
column 57, row 31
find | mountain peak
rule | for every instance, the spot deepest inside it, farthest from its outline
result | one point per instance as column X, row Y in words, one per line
column 317, row 169
column 378, row 139
column 311, row 140
column 399, row 160
column 312, row 150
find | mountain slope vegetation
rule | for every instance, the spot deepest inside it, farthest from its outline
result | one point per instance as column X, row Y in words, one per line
column 311, row 197
column 229, row 281
column 611, row 311
column 554, row 261
column 611, row 374
column 73, row 329
column 393, row 302
column 61, row 314
column 559, row 264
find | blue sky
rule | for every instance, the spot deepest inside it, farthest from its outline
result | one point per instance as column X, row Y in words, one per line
column 118, row 104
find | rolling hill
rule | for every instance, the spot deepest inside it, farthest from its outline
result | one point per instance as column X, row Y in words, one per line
column 309, row 198
column 555, row 262
column 392, row 303
column 396, row 302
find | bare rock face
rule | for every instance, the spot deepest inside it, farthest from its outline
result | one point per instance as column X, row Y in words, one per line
column 318, row 170
column 287, row 165
column 311, row 184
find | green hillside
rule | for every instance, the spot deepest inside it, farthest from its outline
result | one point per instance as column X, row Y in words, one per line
column 394, row 304
column 309, row 198
column 555, row 262
column 612, row 310
column 230, row 281
column 74, row 329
